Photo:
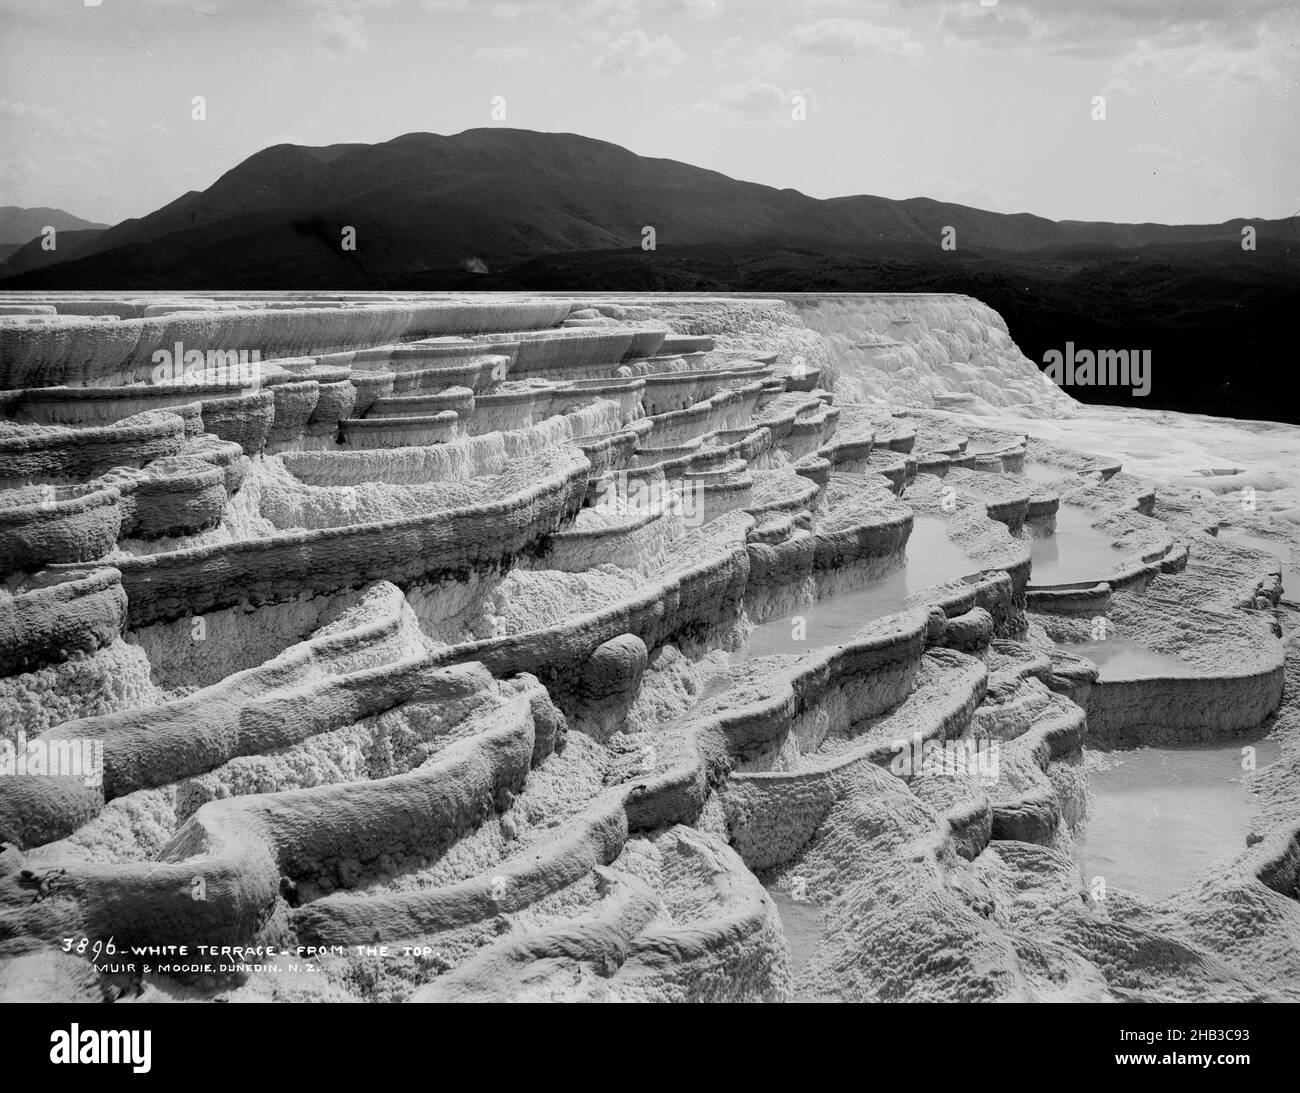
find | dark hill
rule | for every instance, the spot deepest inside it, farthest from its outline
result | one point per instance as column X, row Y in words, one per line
column 427, row 202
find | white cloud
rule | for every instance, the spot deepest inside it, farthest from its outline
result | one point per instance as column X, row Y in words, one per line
column 1118, row 85
column 503, row 9
column 735, row 55
column 1224, row 48
column 1226, row 68
column 41, row 123
column 626, row 12
column 853, row 38
column 635, row 53
column 697, row 9
column 598, row 12
column 1107, row 27
column 340, row 35
column 753, row 100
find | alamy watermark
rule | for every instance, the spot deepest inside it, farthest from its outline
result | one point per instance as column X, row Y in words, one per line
column 621, row 493
column 968, row 757
column 116, row 1047
column 1103, row 368
column 225, row 367
column 75, row 757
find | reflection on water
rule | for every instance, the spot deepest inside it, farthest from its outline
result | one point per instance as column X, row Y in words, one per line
column 802, row 923
column 987, row 447
column 1123, row 658
column 1047, row 473
column 1077, row 552
column 1157, row 817
column 931, row 559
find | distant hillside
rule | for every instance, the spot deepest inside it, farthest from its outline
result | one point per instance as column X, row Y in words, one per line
column 18, row 225
column 68, row 243
column 426, row 202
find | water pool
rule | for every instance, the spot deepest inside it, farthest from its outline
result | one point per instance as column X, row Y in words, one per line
column 1046, row 473
column 1157, row 817
column 931, row 559
column 988, row 447
column 804, row 930
column 1077, row 552
column 1123, row 658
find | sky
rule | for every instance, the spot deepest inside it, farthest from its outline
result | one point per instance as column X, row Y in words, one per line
column 986, row 104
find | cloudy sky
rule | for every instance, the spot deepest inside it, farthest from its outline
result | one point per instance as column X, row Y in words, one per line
column 988, row 104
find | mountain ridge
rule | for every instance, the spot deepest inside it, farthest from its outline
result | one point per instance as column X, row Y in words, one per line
column 21, row 224
column 426, row 201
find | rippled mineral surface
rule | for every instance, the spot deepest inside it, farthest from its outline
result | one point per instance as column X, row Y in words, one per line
column 425, row 647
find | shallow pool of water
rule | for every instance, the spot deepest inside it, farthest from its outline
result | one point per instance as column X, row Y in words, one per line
column 931, row 559
column 802, row 923
column 1158, row 817
column 988, row 447
column 1077, row 552
column 1047, row 473
column 1123, row 658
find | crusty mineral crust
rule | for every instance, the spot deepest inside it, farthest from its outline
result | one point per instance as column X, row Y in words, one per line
column 424, row 638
